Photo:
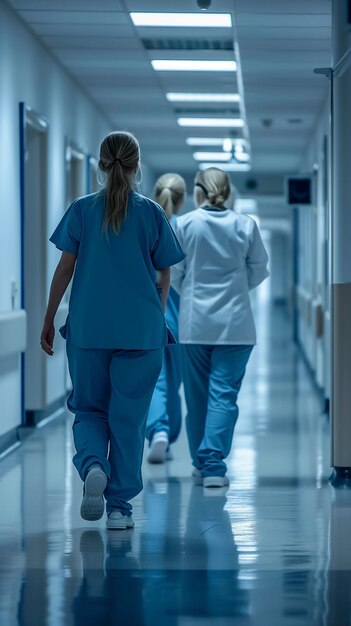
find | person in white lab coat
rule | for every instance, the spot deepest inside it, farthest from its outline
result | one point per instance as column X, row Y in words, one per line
column 225, row 260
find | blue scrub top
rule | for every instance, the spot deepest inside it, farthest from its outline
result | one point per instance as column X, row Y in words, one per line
column 114, row 302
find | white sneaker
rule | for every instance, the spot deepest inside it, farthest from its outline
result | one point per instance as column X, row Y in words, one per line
column 117, row 521
column 158, row 447
column 92, row 507
column 216, row 481
column 197, row 476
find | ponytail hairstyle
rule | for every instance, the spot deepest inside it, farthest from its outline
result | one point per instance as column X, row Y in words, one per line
column 119, row 160
column 212, row 186
column 169, row 192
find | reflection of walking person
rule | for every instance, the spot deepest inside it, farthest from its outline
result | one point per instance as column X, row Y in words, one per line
column 225, row 259
column 111, row 591
column 211, row 563
column 165, row 415
column 115, row 240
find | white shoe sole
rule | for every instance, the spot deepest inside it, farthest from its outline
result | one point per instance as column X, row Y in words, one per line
column 216, row 481
column 157, row 452
column 121, row 524
column 92, row 507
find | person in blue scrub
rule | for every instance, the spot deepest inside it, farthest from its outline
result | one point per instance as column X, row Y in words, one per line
column 165, row 414
column 225, row 260
column 114, row 241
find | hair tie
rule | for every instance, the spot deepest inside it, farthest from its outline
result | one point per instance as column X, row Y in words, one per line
column 117, row 161
column 203, row 188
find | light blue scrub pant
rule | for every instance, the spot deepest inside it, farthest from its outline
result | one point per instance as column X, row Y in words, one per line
column 166, row 410
column 212, row 376
column 111, row 395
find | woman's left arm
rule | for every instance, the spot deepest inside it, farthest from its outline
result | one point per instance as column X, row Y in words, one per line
column 257, row 259
column 61, row 279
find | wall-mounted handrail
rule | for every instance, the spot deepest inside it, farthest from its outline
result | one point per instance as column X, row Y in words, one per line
column 13, row 332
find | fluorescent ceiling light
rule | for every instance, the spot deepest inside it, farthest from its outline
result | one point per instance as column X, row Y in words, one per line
column 228, row 167
column 175, row 20
column 227, row 145
column 188, row 65
column 212, row 156
column 203, row 97
column 211, row 141
column 242, row 156
column 218, row 122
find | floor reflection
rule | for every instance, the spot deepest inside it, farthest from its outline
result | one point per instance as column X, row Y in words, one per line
column 203, row 582
column 273, row 549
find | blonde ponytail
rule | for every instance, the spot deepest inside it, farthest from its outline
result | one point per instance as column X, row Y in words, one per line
column 119, row 159
column 169, row 192
column 213, row 185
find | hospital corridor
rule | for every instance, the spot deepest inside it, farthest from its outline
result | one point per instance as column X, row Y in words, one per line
column 175, row 313
column 268, row 550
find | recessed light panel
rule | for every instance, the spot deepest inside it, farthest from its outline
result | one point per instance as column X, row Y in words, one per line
column 212, row 156
column 212, row 141
column 243, row 157
column 215, row 122
column 227, row 167
column 203, row 97
column 185, row 65
column 182, row 20
column 204, row 141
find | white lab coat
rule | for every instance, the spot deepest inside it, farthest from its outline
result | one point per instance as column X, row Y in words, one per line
column 225, row 259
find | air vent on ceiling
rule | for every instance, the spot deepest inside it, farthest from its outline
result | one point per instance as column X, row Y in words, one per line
column 206, row 110
column 187, row 44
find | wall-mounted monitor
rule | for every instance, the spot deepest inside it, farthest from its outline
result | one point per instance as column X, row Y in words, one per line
column 348, row 13
column 299, row 190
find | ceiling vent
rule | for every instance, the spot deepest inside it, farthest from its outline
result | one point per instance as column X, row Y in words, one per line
column 187, row 44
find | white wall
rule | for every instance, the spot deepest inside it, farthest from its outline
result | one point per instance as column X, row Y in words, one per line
column 313, row 260
column 29, row 73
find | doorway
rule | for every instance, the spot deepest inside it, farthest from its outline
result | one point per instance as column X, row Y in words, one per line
column 33, row 167
column 76, row 174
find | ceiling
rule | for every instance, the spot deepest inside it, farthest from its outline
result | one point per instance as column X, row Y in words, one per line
column 280, row 43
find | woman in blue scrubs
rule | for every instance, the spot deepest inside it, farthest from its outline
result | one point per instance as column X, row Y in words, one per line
column 114, row 241
column 165, row 415
column 225, row 260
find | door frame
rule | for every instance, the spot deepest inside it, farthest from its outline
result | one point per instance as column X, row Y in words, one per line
column 91, row 162
column 72, row 149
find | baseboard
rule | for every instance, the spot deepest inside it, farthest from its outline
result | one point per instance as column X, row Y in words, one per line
column 14, row 437
column 325, row 403
column 8, row 440
column 33, row 418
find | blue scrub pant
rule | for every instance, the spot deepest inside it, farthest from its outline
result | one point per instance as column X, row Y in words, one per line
column 111, row 395
column 166, row 410
column 212, row 376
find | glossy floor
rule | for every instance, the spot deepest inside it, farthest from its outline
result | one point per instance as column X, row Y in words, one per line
column 272, row 550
